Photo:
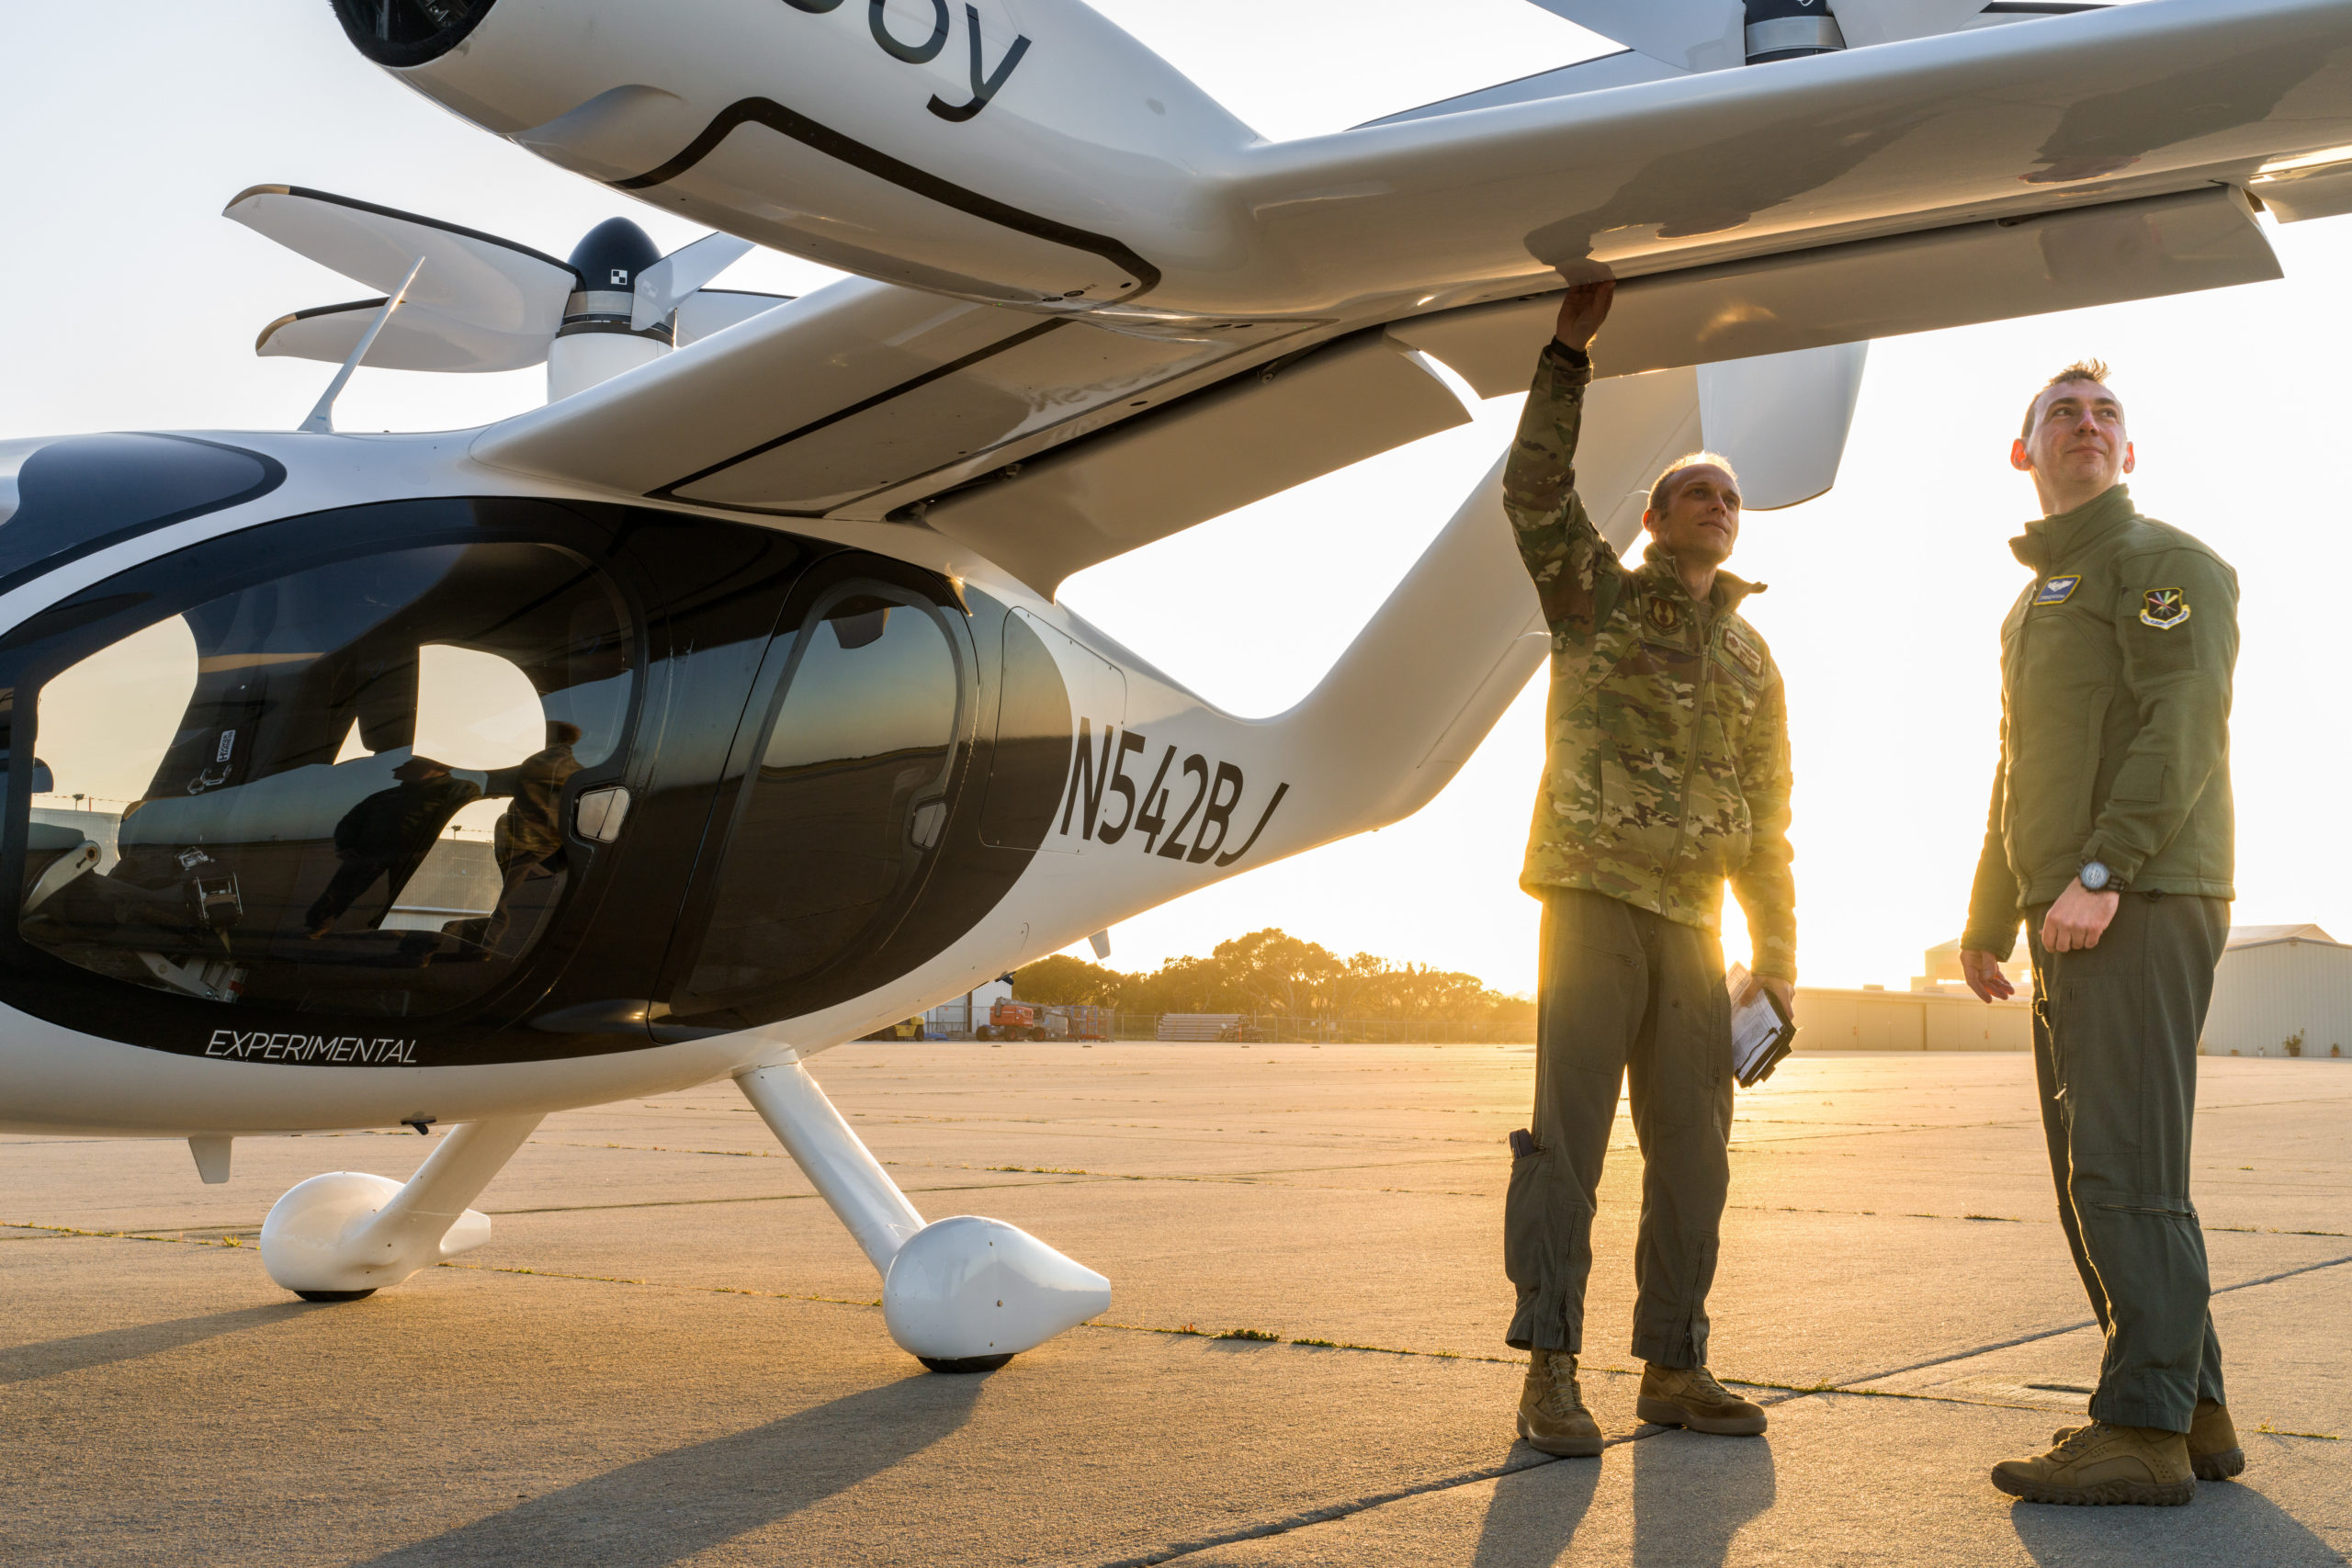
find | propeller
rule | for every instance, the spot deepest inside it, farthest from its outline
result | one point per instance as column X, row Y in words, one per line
column 1710, row 35
column 482, row 303
column 1690, row 34
column 668, row 283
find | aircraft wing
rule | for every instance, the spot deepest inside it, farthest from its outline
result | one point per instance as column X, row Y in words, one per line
column 1699, row 170
column 1778, row 210
column 1052, row 442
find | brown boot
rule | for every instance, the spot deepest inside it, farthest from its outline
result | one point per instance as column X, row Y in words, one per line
column 2100, row 1463
column 2213, row 1451
column 1690, row 1398
column 1551, row 1416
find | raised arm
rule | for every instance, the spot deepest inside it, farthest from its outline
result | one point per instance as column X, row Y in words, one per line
column 1576, row 572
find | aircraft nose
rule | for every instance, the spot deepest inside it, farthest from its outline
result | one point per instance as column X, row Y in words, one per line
column 401, row 33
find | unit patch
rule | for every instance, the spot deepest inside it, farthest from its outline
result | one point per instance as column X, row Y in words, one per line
column 2163, row 608
column 1665, row 613
column 2055, row 591
column 1750, row 657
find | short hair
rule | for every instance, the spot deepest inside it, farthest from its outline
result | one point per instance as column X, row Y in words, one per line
column 1687, row 461
column 2080, row 370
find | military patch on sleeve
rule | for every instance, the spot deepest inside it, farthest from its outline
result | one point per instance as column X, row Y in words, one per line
column 1750, row 657
column 2163, row 608
column 2056, row 589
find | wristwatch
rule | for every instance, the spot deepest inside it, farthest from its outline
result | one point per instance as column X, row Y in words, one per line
column 2094, row 876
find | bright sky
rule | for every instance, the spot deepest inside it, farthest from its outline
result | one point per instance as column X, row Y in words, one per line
column 138, row 304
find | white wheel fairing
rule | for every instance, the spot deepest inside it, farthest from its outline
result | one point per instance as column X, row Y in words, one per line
column 305, row 1241
column 967, row 1287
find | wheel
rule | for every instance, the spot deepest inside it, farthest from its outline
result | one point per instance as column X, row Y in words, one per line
column 984, row 1033
column 336, row 1295
column 965, row 1363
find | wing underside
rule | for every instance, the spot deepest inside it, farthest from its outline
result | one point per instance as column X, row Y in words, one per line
column 1051, row 443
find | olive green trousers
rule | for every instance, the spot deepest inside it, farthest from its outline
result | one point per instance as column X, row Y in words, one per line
column 2115, row 1031
column 1625, row 997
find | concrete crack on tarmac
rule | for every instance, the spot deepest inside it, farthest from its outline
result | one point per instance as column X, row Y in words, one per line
column 1850, row 1388
column 2070, row 1327
column 1356, row 1505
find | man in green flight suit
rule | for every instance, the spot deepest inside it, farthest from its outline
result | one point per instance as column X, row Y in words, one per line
column 2110, row 834
column 1667, row 774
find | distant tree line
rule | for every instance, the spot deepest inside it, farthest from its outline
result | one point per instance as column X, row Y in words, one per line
column 1272, row 975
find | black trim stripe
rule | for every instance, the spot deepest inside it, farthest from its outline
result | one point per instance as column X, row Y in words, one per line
column 669, row 492
column 874, row 162
column 271, row 331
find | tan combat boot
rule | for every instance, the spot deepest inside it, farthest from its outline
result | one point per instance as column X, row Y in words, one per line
column 2213, row 1451
column 1551, row 1416
column 2100, row 1463
column 1690, row 1398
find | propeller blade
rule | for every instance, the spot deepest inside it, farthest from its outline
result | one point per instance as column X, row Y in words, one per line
column 472, row 278
column 416, row 338
column 1694, row 35
column 1866, row 22
column 1782, row 419
column 662, row 286
column 709, row 310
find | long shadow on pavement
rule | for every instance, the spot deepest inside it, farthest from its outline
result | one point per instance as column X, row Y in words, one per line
column 1535, row 1514
column 2227, row 1523
column 1690, row 1496
column 673, row 1505
column 1693, row 1494
column 21, row 1363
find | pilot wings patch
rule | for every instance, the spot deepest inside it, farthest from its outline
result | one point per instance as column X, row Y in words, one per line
column 2055, row 591
column 2163, row 608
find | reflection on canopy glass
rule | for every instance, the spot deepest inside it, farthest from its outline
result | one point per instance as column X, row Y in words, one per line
column 340, row 791
column 849, row 799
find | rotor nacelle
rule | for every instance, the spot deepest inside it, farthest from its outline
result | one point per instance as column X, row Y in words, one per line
column 1036, row 159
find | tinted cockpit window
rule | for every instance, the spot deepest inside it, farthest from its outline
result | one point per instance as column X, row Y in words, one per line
column 65, row 498
column 849, row 797
column 341, row 790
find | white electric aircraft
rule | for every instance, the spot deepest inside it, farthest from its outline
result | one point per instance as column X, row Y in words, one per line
column 736, row 668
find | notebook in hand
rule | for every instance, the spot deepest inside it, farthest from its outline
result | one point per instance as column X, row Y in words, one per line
column 1761, row 1030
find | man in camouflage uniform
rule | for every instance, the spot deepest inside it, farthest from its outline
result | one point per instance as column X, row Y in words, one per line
column 2110, row 834
column 1667, row 774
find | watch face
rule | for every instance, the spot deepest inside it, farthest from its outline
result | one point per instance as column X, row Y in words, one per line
column 2094, row 875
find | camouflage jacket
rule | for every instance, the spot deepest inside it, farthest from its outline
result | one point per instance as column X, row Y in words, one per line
column 1667, row 770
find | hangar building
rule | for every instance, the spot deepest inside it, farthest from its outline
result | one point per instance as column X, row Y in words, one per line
column 2281, row 991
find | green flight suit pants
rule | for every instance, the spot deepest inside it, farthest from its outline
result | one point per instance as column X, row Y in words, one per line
column 1626, row 996
column 2115, row 1031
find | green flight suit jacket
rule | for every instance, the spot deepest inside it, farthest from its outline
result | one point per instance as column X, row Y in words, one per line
column 1667, row 766
column 2116, row 664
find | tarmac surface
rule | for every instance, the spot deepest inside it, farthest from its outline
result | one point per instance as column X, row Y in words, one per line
column 670, row 1353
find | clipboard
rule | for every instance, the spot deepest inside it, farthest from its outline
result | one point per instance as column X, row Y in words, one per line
column 1761, row 1030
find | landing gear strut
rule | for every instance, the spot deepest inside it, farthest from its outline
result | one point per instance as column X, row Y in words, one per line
column 340, row 1237
column 963, row 1294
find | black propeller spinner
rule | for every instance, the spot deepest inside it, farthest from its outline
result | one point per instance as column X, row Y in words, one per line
column 608, row 259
